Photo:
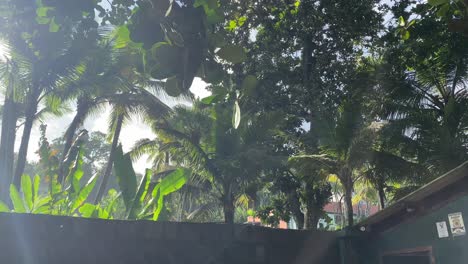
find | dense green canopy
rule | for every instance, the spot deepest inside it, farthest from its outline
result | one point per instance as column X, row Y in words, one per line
column 351, row 102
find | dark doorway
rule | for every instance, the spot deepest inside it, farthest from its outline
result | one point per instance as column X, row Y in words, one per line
column 409, row 256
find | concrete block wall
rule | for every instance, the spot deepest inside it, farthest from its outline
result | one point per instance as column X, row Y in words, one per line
column 41, row 239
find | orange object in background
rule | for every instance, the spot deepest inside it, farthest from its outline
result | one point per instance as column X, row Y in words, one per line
column 257, row 221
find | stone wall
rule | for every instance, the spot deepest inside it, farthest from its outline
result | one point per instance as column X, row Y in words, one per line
column 39, row 239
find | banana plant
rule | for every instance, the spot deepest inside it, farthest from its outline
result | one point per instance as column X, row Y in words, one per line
column 145, row 201
column 29, row 201
column 60, row 199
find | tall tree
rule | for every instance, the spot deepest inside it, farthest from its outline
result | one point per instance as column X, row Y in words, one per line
column 137, row 102
column 12, row 82
column 424, row 81
column 50, row 36
column 204, row 139
column 344, row 146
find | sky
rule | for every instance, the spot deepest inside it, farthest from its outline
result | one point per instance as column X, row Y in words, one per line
column 132, row 132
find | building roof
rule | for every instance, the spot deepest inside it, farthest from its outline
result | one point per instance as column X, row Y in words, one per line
column 430, row 197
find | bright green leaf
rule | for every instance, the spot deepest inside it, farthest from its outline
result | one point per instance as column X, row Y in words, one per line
column 174, row 181
column 236, row 117
column 169, row 184
column 84, row 193
column 412, row 22
column 76, row 173
column 297, row 4
column 42, row 205
column 144, row 186
column 37, row 184
column 356, row 199
column 43, row 10
column 26, row 187
column 232, row 25
column 16, row 200
column 232, row 53
column 209, row 100
column 4, row 208
column 103, row 213
column 241, row 21
column 405, row 35
column 42, row 20
column 251, row 212
column 401, row 21
column 53, row 26
column 87, row 210
column 56, row 187
column 114, row 197
column 159, row 207
column 42, row 210
column 122, row 37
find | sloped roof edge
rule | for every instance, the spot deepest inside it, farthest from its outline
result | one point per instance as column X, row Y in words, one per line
column 403, row 205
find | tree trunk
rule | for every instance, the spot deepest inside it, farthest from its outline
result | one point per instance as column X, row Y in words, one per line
column 110, row 162
column 7, row 144
column 347, row 182
column 381, row 197
column 296, row 210
column 349, row 205
column 340, row 209
column 228, row 208
column 346, row 178
column 81, row 110
column 30, row 116
column 311, row 218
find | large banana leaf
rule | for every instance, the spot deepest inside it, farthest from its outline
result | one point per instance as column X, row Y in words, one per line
column 27, row 188
column 126, row 176
column 16, row 200
column 169, row 184
column 140, row 195
column 83, row 194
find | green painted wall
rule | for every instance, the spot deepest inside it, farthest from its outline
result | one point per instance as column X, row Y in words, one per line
column 422, row 232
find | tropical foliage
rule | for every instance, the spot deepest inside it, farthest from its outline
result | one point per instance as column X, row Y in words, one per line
column 311, row 102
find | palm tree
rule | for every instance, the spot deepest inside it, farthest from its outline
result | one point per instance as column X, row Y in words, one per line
column 425, row 97
column 100, row 78
column 52, row 52
column 344, row 146
column 136, row 102
column 202, row 138
column 386, row 167
column 12, row 81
